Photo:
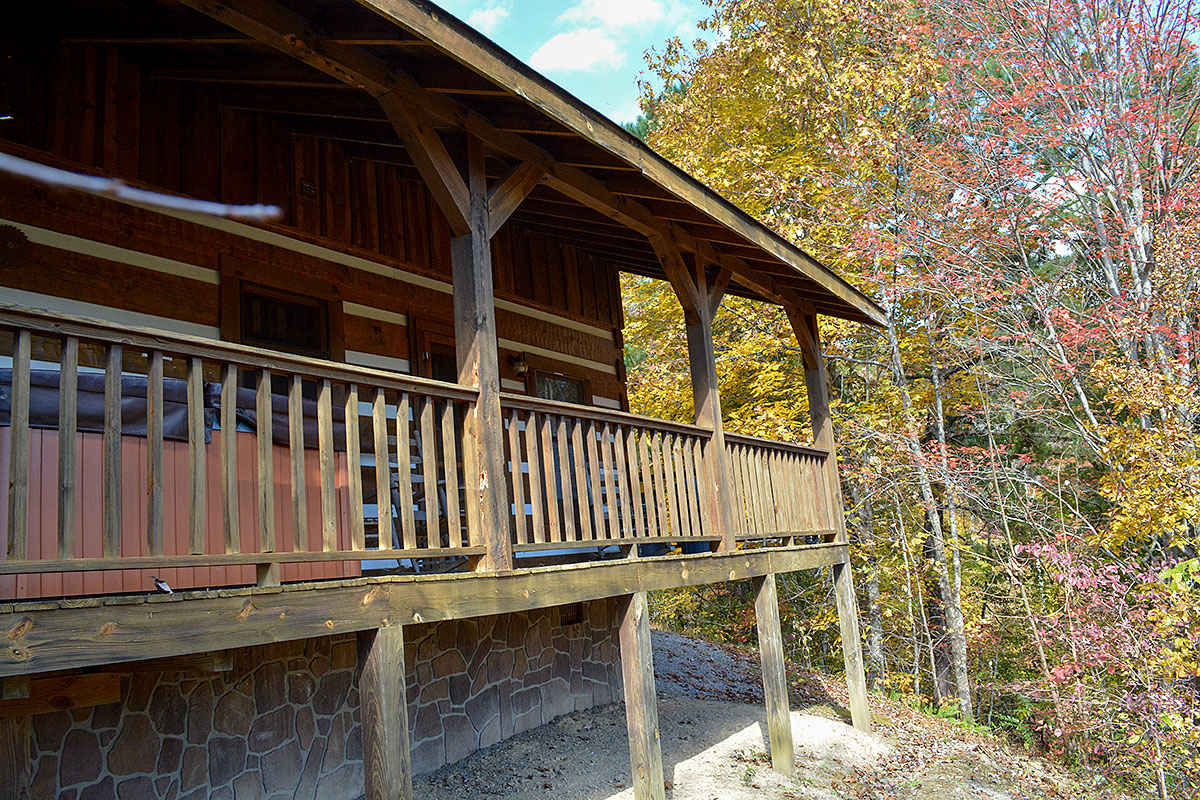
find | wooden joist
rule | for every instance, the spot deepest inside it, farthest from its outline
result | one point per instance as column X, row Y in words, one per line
column 61, row 693
column 44, row 637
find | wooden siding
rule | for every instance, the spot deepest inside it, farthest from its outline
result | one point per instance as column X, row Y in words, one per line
column 360, row 222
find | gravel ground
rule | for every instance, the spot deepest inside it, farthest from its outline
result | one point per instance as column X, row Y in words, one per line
column 713, row 731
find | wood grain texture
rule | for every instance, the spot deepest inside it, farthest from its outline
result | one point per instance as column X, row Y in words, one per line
column 44, row 637
column 196, row 466
column 112, row 452
column 641, row 706
column 296, row 461
column 230, row 529
column 67, row 408
column 325, row 457
column 15, row 757
column 856, row 679
column 266, row 463
column 775, row 688
column 387, row 765
column 62, row 693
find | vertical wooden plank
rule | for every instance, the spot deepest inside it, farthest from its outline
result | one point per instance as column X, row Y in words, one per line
column 154, row 454
column 691, row 484
column 296, row 459
column 664, row 485
column 775, row 689
column 19, row 457
column 856, row 678
column 641, row 707
column 383, row 469
column 598, row 513
column 549, row 483
column 570, row 533
column 518, row 483
column 633, row 482
column 536, row 486
column 68, row 395
column 610, row 482
column 112, row 452
column 739, row 489
column 650, row 496
column 196, row 464
column 450, row 459
column 682, row 490
column 429, row 471
column 325, row 457
column 266, row 463
column 387, row 768
column 354, row 470
column 229, row 460
column 705, row 486
column 581, row 481
column 408, row 522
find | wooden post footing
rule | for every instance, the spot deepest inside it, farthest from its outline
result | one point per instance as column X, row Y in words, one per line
column 856, row 679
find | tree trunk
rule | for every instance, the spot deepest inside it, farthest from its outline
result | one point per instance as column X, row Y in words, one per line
column 864, row 524
column 955, row 626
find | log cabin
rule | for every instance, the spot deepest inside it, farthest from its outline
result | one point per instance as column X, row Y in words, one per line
column 378, row 445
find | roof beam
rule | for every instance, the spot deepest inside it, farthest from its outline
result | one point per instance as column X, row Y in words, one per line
column 508, row 194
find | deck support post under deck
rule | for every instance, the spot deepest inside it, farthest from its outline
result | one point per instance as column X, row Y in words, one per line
column 774, row 675
column 14, row 757
column 641, row 708
column 804, row 324
column 387, row 766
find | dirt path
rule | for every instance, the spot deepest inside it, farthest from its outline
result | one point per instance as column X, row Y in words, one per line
column 713, row 731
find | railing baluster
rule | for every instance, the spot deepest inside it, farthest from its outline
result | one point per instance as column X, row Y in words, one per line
column 634, row 484
column 674, row 525
column 429, row 471
column 383, row 469
column 296, row 462
column 598, row 505
column 229, row 460
column 263, row 438
column 703, row 485
column 651, row 499
column 68, row 396
column 550, row 483
column 691, row 485
column 610, row 482
column 739, row 492
column 579, row 467
column 112, row 452
column 326, row 457
column 196, row 456
column 154, row 454
column 564, row 478
column 518, row 479
column 408, row 522
column 358, row 534
column 19, row 455
column 667, row 519
column 536, row 484
column 450, row 454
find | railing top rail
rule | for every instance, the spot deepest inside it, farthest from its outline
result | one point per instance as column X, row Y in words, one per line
column 603, row 414
column 755, row 441
column 42, row 321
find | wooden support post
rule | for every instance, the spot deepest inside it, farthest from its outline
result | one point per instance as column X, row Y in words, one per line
column 14, row 757
column 479, row 366
column 774, row 675
column 700, row 300
column 804, row 323
column 641, row 708
column 387, row 767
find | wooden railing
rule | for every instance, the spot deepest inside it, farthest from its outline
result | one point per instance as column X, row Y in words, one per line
column 779, row 490
column 130, row 454
column 584, row 476
column 140, row 451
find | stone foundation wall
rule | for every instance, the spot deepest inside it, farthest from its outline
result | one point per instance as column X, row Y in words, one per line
column 476, row 681
column 283, row 722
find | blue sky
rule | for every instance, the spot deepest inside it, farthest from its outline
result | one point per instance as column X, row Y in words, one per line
column 592, row 48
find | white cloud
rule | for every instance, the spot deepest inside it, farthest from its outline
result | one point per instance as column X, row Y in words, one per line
column 613, row 13
column 487, row 19
column 578, row 50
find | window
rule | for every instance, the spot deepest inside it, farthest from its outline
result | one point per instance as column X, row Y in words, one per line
column 551, row 386
column 284, row 321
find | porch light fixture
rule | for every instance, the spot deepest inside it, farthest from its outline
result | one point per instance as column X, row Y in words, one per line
column 519, row 364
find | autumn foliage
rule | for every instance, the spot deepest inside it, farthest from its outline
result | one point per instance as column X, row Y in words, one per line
column 1016, row 182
